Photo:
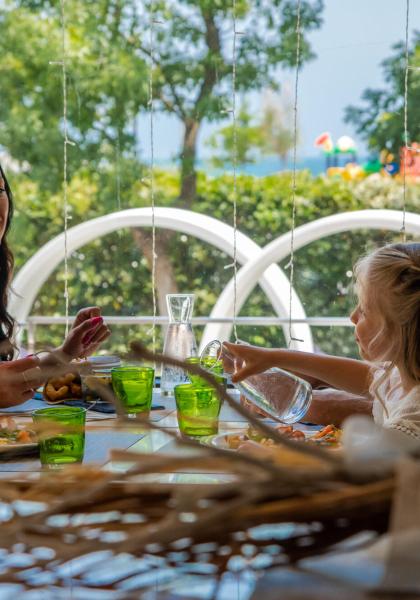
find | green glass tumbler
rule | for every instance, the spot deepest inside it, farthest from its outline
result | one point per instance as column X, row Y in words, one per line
column 64, row 447
column 198, row 409
column 133, row 386
column 216, row 371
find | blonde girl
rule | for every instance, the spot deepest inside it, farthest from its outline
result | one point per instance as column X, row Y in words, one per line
column 386, row 383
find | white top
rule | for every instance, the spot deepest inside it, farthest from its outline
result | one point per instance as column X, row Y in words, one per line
column 403, row 409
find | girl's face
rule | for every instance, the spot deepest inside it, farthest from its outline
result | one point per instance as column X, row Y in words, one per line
column 368, row 324
column 4, row 208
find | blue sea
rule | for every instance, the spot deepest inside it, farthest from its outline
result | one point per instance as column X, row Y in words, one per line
column 266, row 166
column 272, row 164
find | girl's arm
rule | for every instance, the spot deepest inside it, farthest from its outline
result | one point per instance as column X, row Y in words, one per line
column 347, row 374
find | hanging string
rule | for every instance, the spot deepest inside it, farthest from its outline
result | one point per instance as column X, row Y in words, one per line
column 66, row 142
column 292, row 232
column 234, row 164
column 152, row 165
column 118, row 172
column 407, row 20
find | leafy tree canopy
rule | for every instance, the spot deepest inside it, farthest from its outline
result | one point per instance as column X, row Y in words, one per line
column 380, row 120
column 106, row 85
column 107, row 60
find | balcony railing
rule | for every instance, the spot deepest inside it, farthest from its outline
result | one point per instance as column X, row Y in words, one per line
column 34, row 321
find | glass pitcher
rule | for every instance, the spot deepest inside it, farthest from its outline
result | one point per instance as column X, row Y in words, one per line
column 280, row 394
column 179, row 339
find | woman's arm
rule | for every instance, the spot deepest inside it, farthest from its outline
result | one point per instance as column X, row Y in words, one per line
column 334, row 406
column 347, row 374
column 18, row 380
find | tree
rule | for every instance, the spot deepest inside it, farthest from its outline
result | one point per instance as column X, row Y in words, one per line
column 107, row 81
column 380, row 121
column 107, row 87
column 250, row 138
column 106, row 84
column 244, row 140
column 277, row 124
column 193, row 58
column 107, row 65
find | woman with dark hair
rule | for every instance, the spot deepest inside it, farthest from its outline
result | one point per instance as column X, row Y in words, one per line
column 18, row 378
column 6, row 267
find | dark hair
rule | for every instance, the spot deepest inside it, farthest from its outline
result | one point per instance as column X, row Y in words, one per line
column 7, row 322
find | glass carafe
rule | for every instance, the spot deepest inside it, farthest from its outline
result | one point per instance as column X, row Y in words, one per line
column 179, row 339
column 282, row 395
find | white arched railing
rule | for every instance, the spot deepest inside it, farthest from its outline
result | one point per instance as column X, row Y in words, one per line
column 275, row 284
column 279, row 249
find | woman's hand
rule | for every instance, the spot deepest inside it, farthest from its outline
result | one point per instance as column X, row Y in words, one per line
column 87, row 333
column 253, row 358
column 18, row 380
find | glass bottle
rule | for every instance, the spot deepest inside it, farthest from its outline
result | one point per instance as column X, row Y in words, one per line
column 179, row 339
column 280, row 394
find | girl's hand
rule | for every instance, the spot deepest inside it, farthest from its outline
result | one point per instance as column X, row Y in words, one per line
column 100, row 335
column 255, row 359
column 18, row 380
column 87, row 333
column 252, row 408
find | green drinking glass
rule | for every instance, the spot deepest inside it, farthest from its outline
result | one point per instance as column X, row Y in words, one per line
column 133, row 386
column 66, row 447
column 216, row 371
column 198, row 409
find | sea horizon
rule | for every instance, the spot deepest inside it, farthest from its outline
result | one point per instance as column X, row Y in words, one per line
column 261, row 168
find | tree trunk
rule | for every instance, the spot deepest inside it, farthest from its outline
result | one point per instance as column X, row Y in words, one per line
column 188, row 158
column 165, row 282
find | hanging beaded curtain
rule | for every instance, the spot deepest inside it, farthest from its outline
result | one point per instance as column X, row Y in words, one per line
column 234, row 164
column 66, row 143
column 152, row 23
column 69, row 73
column 291, row 263
column 63, row 63
column 406, row 137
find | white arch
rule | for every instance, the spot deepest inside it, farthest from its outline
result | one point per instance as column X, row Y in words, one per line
column 279, row 249
column 37, row 269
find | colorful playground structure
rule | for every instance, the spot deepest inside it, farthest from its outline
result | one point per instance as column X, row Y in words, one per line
column 386, row 164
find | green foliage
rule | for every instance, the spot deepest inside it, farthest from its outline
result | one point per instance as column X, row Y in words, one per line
column 107, row 65
column 242, row 138
column 249, row 139
column 106, row 86
column 107, row 57
column 112, row 272
column 381, row 119
column 276, row 129
column 195, row 83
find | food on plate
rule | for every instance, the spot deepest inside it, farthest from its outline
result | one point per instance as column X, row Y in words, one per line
column 253, row 442
column 94, row 383
column 61, row 388
column 328, row 436
column 10, row 433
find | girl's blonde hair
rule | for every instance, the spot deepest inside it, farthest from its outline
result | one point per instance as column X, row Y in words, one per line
column 392, row 275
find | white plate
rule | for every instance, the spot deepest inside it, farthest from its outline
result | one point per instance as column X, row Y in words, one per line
column 18, row 448
column 221, row 440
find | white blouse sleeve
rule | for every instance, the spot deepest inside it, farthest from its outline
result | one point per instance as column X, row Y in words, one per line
column 405, row 415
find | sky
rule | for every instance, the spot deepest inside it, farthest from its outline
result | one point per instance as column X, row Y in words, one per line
column 350, row 45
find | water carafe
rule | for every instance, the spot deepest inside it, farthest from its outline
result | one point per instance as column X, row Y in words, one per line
column 282, row 395
column 179, row 339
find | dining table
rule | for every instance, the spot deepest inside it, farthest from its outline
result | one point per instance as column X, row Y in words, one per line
column 350, row 572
